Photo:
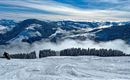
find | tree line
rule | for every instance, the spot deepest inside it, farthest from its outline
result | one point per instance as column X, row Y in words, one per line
column 70, row 52
column 31, row 55
column 91, row 52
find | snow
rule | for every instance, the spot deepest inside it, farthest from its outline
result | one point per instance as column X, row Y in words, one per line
column 33, row 34
column 105, row 26
column 59, row 30
column 32, row 26
column 28, row 33
column 120, row 24
column 66, row 68
column 2, row 29
column 31, row 31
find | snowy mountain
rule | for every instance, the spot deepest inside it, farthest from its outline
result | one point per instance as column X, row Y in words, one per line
column 6, row 25
column 32, row 30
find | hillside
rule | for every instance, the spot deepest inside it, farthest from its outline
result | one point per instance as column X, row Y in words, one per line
column 31, row 30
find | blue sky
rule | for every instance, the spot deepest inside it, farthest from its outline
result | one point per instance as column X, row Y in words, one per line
column 78, row 10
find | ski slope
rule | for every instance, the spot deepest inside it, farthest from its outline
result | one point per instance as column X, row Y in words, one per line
column 66, row 68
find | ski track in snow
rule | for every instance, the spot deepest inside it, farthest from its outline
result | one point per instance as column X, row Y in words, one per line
column 66, row 68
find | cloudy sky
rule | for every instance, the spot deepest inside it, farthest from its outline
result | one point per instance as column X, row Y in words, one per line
column 78, row 10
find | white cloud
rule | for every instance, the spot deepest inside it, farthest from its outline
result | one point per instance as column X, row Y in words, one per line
column 20, row 47
column 108, row 1
column 66, row 11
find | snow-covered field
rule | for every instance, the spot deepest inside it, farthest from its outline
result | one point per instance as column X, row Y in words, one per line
column 66, row 68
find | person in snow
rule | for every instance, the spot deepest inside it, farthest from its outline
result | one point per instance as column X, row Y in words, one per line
column 6, row 55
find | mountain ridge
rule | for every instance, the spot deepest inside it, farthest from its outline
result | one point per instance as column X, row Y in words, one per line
column 31, row 30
